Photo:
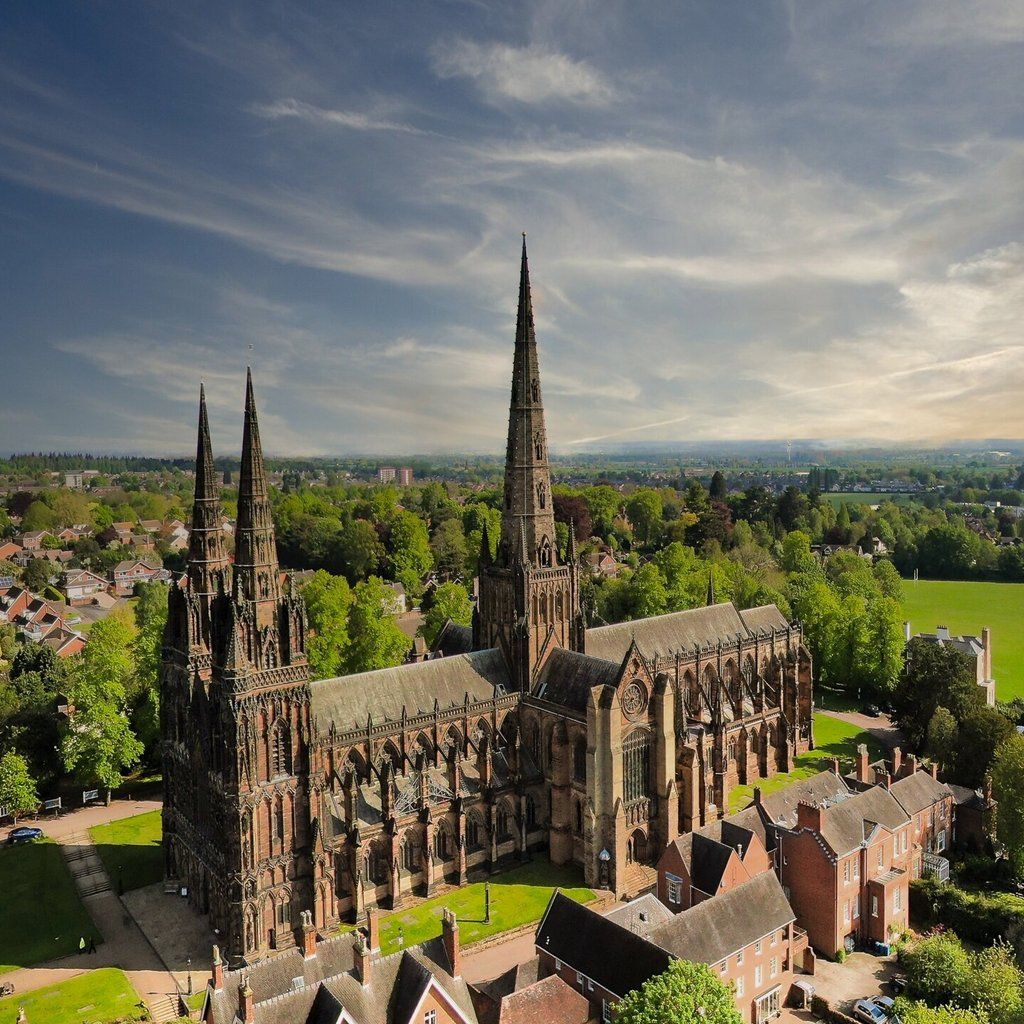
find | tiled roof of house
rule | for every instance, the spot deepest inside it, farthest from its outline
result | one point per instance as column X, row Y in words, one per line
column 919, row 791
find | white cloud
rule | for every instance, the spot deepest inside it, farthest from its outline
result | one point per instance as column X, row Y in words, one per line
column 311, row 114
column 527, row 74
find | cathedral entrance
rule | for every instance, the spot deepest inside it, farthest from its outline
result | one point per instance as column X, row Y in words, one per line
column 636, row 848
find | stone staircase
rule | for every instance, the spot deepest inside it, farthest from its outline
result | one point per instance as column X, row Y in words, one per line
column 85, row 865
column 639, row 878
column 164, row 1008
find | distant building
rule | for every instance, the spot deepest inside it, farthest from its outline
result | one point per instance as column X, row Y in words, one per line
column 405, row 476
column 81, row 586
column 977, row 648
column 131, row 571
column 74, row 480
column 386, row 474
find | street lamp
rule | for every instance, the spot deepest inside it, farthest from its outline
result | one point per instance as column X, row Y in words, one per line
column 188, row 967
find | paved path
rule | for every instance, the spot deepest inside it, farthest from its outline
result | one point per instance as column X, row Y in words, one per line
column 881, row 728
column 123, row 945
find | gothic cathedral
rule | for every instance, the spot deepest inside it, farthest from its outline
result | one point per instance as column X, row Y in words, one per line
column 527, row 733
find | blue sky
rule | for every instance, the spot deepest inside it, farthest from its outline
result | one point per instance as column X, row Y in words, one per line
column 745, row 220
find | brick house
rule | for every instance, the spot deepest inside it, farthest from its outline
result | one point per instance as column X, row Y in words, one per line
column 131, row 571
column 81, row 586
column 845, row 864
column 345, row 981
column 519, row 996
column 703, row 864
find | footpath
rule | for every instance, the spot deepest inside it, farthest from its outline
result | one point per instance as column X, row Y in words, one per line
column 124, row 945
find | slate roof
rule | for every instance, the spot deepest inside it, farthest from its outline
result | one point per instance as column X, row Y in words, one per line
column 348, row 700
column 827, row 786
column 601, row 950
column 919, row 791
column 708, row 861
column 642, row 915
column 568, row 677
column 845, row 825
column 713, row 929
column 454, row 639
column 681, row 631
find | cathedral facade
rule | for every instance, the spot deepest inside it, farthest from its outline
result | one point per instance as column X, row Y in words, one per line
column 526, row 733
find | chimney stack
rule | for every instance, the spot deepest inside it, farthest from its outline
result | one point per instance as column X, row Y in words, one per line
column 862, row 763
column 882, row 778
column 910, row 766
column 308, row 935
column 373, row 929
column 897, row 762
column 450, row 938
column 363, row 960
column 757, row 796
column 832, row 764
column 808, row 816
column 218, row 970
column 246, row 1003
column 934, row 769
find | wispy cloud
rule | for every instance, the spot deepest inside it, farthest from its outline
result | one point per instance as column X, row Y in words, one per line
column 524, row 74
column 311, row 114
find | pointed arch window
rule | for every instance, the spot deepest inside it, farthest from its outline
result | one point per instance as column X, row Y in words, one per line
column 473, row 832
column 636, row 763
column 544, row 553
column 280, row 749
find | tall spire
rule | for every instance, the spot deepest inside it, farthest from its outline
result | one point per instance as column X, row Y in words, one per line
column 528, row 516
column 207, row 556
column 256, row 571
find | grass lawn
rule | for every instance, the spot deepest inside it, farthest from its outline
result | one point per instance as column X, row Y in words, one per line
column 832, row 738
column 518, row 897
column 130, row 850
column 93, row 998
column 966, row 608
column 41, row 914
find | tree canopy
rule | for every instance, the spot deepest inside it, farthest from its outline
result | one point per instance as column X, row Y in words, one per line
column 687, row 993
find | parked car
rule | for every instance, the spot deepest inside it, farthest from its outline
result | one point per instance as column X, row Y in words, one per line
column 885, row 1003
column 866, row 1011
column 873, row 711
column 24, row 834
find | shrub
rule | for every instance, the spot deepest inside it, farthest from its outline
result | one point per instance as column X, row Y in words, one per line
column 977, row 917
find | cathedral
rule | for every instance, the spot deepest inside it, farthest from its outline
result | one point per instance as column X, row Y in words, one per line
column 527, row 733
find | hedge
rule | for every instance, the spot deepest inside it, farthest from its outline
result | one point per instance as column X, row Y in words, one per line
column 978, row 917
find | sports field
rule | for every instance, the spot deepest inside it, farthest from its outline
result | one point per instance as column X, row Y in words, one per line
column 838, row 498
column 967, row 608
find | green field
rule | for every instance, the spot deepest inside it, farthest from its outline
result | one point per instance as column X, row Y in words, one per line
column 867, row 498
column 966, row 608
column 95, row 997
column 130, row 850
column 42, row 916
column 832, row 738
column 518, row 897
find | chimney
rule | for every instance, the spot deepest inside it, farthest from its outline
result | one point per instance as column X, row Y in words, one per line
column 308, row 935
column 862, row 763
column 942, row 632
column 757, row 796
column 218, row 970
column 450, row 938
column 910, row 766
column 832, row 764
column 897, row 762
column 808, row 816
column 373, row 929
column 986, row 645
column 246, row 1003
column 934, row 769
column 363, row 960
column 883, row 778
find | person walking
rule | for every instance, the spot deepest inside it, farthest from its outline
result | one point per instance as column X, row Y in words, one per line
column 92, row 944
column 81, row 945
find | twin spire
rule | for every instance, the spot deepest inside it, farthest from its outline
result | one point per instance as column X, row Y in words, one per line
column 255, row 577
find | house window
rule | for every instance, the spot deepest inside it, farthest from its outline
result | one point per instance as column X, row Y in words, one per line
column 846, row 913
column 722, row 967
column 773, row 967
column 579, row 980
column 757, row 946
column 758, row 975
column 558, row 966
column 897, row 899
column 940, row 841
column 739, row 986
column 856, row 907
column 675, row 889
column 846, row 873
column 739, row 958
column 590, row 985
column 430, row 1017
column 881, row 856
column 874, row 906
column 903, row 844
column 775, row 937
column 606, row 1011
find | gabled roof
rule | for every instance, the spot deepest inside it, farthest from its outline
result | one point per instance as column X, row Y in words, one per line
column 682, row 631
column 780, row 806
column 642, row 915
column 348, row 700
column 568, row 677
column 713, row 929
column 601, row 950
column 847, row 824
column 919, row 791
column 708, row 861
column 454, row 639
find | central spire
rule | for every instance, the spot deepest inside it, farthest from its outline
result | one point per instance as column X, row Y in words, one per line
column 528, row 520
column 256, row 571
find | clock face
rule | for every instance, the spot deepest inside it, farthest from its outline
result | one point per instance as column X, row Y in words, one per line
column 634, row 700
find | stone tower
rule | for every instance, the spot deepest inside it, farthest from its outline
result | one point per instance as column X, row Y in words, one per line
column 529, row 596
column 237, row 729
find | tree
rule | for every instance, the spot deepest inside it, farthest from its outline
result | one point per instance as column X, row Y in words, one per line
column 645, row 508
column 451, row 601
column 449, row 549
column 941, row 742
column 687, row 993
column 648, row 596
column 844, row 656
column 36, row 575
column 792, row 507
column 375, row 640
column 357, row 551
column 99, row 745
column 981, row 734
column 107, row 663
column 1008, row 789
column 916, row 1012
column 147, row 646
column 17, row 787
column 936, row 969
column 718, row 489
column 949, row 551
column 882, row 654
column 796, row 552
column 411, row 557
column 328, row 603
column 38, row 516
column 888, row 579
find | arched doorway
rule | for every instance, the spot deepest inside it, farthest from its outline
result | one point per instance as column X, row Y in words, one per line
column 636, row 852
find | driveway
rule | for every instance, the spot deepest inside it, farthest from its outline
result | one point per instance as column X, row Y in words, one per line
column 860, row 977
